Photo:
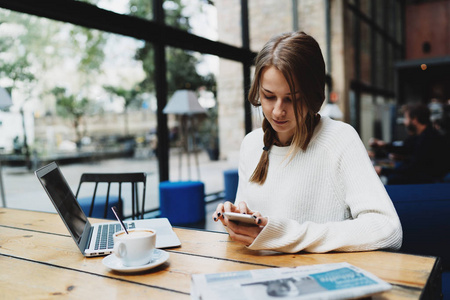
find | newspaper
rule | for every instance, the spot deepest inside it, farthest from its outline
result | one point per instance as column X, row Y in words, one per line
column 324, row 281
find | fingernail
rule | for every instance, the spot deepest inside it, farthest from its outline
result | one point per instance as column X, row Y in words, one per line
column 215, row 219
column 254, row 217
column 259, row 221
column 219, row 214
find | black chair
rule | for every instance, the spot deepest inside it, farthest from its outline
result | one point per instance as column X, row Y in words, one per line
column 100, row 206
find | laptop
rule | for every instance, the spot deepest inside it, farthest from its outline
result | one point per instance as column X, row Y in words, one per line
column 95, row 239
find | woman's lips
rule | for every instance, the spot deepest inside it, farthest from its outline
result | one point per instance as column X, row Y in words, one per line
column 279, row 122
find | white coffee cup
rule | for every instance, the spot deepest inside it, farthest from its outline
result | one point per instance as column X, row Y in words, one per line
column 135, row 248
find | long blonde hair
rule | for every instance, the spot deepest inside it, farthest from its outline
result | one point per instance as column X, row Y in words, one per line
column 299, row 58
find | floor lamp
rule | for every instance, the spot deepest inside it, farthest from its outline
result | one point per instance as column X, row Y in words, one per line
column 184, row 104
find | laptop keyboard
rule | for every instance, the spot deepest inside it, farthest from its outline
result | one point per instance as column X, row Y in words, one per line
column 105, row 233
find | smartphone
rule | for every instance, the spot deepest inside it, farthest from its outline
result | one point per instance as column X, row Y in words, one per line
column 237, row 217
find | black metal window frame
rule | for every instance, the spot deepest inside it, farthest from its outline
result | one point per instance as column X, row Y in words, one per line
column 155, row 32
column 389, row 40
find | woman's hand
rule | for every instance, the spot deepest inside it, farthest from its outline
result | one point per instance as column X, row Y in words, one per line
column 242, row 233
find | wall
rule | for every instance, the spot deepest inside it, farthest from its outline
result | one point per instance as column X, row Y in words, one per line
column 427, row 23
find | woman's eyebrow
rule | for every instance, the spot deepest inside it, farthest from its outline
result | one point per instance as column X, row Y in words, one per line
column 266, row 90
column 269, row 91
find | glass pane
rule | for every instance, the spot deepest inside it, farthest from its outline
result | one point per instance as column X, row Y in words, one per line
column 139, row 8
column 390, row 68
column 398, row 54
column 193, row 122
column 380, row 13
column 398, row 22
column 195, row 16
column 189, row 70
column 365, row 7
column 380, row 62
column 390, row 26
column 350, row 53
column 366, row 55
column 385, row 114
column 367, row 118
column 85, row 95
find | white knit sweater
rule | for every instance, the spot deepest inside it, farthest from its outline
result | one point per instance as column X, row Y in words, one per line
column 323, row 199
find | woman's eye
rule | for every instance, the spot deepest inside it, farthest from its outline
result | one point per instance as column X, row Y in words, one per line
column 269, row 97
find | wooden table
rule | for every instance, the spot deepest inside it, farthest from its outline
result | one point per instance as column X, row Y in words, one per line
column 38, row 259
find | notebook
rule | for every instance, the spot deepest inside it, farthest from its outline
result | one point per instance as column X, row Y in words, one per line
column 86, row 236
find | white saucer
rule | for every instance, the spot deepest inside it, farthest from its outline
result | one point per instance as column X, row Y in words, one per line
column 112, row 262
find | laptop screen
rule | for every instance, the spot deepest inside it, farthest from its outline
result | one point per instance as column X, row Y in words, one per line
column 64, row 200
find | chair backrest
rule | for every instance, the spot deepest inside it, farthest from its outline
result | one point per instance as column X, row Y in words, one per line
column 424, row 211
column 107, row 178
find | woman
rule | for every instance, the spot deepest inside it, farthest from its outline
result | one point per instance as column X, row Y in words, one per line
column 307, row 181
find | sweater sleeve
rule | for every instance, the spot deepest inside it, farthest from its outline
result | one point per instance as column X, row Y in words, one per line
column 373, row 222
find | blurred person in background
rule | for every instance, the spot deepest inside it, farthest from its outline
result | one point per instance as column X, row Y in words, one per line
column 424, row 154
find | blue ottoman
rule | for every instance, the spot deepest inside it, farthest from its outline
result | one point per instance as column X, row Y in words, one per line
column 231, row 179
column 182, row 202
column 99, row 206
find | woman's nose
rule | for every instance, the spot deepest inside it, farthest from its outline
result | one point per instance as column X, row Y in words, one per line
column 278, row 109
